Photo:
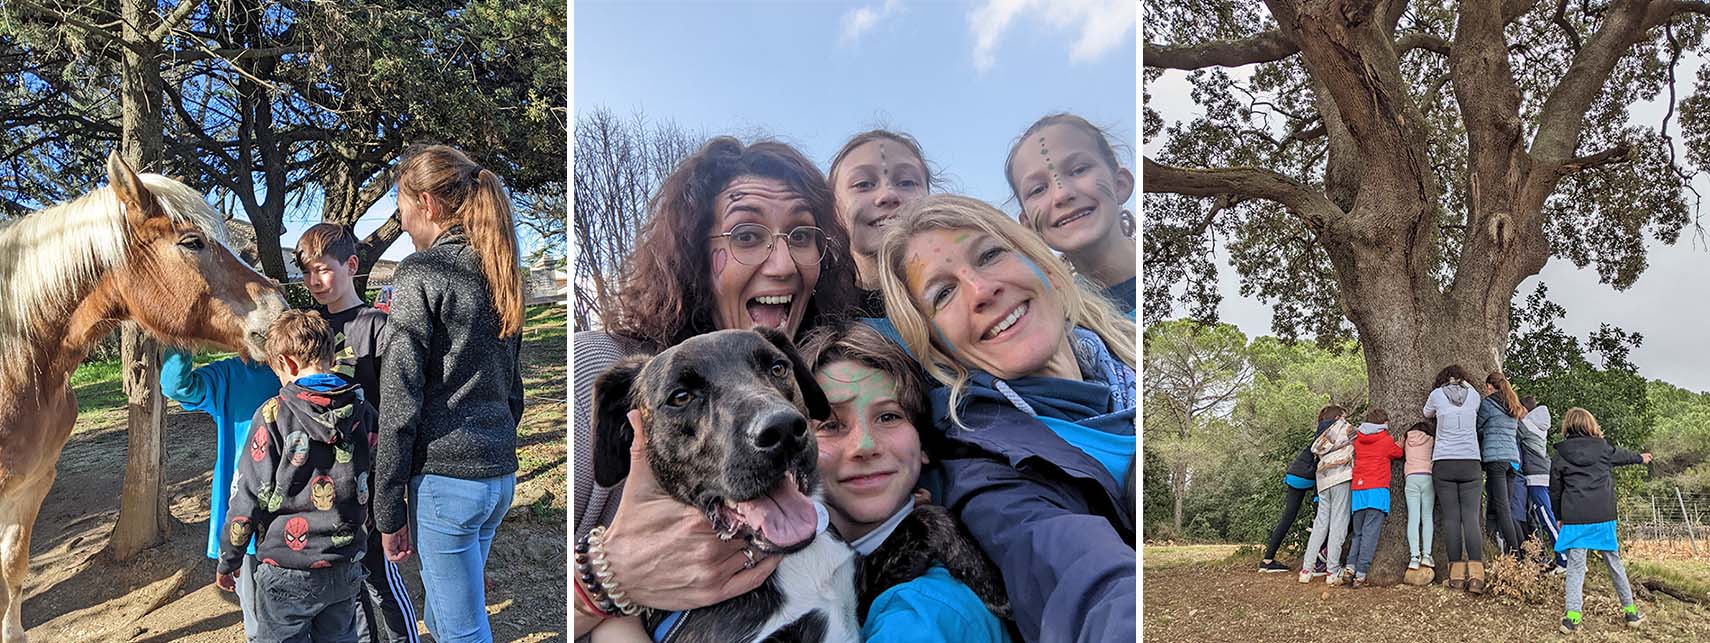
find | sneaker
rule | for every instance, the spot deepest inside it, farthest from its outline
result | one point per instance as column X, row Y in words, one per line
column 1569, row 625
column 1425, row 559
column 1633, row 615
column 1413, row 563
column 1318, row 568
column 1305, row 576
column 1272, row 567
column 1559, row 571
column 1359, row 582
column 1336, row 579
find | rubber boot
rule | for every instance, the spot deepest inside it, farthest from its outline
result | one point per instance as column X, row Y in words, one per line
column 1475, row 576
column 1457, row 575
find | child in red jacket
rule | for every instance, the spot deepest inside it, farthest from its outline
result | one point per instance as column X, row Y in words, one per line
column 1374, row 451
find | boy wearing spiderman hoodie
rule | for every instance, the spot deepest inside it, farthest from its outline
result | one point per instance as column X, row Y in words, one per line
column 1374, row 450
column 302, row 490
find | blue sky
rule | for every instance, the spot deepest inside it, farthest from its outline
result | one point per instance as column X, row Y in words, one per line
column 813, row 74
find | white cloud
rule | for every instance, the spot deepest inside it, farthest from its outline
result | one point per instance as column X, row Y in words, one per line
column 857, row 22
column 1099, row 25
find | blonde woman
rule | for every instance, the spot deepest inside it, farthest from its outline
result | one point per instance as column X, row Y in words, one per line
column 1037, row 412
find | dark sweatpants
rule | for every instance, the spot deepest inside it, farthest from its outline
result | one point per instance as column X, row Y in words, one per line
column 1496, row 486
column 1457, row 485
column 1291, row 509
column 387, row 614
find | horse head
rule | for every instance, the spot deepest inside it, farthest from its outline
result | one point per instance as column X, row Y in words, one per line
column 179, row 280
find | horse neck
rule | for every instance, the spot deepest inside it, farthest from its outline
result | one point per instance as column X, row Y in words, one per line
column 63, row 335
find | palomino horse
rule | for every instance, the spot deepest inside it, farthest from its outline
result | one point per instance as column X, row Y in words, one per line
column 146, row 248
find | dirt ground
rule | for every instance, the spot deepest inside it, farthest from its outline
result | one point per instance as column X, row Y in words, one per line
column 1215, row 594
column 77, row 593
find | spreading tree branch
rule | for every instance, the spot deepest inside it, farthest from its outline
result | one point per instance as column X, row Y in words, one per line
column 1265, row 47
column 1620, row 153
column 1244, row 182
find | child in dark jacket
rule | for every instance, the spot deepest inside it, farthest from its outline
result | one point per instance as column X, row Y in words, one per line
column 1582, row 485
column 302, row 488
column 1374, row 450
column 1298, row 483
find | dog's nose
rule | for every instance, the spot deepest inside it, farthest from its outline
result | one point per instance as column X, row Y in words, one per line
column 780, row 430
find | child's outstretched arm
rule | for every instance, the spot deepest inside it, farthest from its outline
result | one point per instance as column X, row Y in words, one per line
column 254, row 494
column 1620, row 457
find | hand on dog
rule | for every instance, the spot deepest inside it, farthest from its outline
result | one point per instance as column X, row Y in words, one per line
column 664, row 553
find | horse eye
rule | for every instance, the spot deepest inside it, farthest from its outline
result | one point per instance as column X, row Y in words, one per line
column 680, row 397
column 780, row 368
column 192, row 243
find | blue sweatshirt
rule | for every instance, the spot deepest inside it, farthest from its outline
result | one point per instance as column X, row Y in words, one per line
column 229, row 390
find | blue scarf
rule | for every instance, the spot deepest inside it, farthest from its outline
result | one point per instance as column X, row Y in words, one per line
column 1104, row 399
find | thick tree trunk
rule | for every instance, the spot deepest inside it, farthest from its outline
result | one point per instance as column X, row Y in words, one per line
column 142, row 510
column 1408, row 333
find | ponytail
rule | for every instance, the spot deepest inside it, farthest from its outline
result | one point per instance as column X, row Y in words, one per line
column 1506, row 390
column 474, row 197
column 486, row 216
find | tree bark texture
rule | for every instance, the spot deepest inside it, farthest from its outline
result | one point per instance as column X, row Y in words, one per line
column 142, row 510
column 1377, row 214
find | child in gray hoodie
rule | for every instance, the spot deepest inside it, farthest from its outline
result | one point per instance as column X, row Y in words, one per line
column 1535, row 464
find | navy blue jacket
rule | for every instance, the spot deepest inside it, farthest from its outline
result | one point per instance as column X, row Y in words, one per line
column 1051, row 517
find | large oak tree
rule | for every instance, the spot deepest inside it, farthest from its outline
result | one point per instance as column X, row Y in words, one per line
column 1394, row 170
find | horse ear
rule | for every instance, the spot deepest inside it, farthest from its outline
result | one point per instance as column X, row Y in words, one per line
column 819, row 408
column 139, row 202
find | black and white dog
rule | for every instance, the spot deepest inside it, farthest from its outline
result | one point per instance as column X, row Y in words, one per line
column 727, row 416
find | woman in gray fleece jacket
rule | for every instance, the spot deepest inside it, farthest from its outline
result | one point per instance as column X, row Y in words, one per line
column 451, row 387
column 1456, row 474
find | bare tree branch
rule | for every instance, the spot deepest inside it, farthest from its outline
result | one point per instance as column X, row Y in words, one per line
column 1263, row 48
column 1246, row 182
column 1620, row 153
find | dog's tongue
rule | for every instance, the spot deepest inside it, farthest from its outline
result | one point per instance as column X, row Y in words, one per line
column 784, row 516
column 768, row 315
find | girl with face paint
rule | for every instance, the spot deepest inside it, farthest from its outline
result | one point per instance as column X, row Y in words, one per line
column 738, row 236
column 874, row 174
column 870, row 461
column 1065, row 174
column 1034, row 368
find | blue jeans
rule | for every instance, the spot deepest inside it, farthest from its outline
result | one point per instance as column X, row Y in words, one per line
column 453, row 521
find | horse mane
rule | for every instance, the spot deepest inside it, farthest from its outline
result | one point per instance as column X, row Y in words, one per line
column 47, row 258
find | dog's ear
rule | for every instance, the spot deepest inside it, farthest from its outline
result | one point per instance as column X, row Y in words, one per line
column 818, row 407
column 612, row 435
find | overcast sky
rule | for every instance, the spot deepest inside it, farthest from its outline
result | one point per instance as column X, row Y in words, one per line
column 1667, row 305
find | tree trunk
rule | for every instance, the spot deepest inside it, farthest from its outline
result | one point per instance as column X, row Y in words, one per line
column 143, row 518
column 1178, row 487
column 142, row 510
column 1409, row 333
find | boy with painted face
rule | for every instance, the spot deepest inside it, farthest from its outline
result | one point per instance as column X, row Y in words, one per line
column 870, row 460
column 327, row 254
column 302, row 490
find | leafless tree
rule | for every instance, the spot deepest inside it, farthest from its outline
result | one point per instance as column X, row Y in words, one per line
column 619, row 164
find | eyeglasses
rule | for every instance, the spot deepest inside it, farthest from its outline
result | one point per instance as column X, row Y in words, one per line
column 751, row 243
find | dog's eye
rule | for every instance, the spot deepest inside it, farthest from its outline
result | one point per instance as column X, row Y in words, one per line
column 680, row 397
column 780, row 368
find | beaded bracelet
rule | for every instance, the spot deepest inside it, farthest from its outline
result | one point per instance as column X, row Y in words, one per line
column 596, row 575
